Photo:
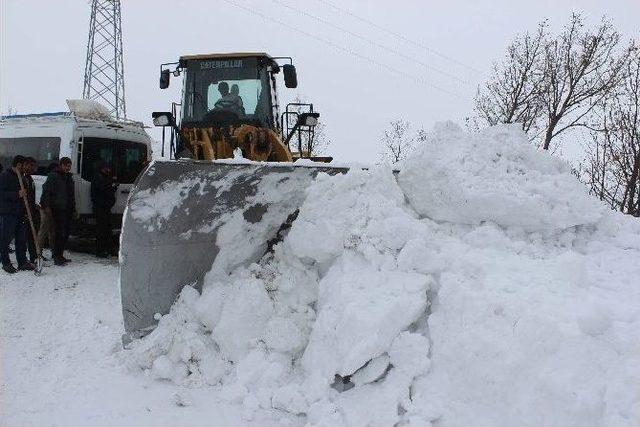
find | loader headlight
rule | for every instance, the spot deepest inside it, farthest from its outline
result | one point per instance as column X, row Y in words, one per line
column 162, row 118
column 308, row 119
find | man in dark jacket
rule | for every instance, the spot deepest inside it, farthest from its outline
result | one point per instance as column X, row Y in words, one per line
column 103, row 197
column 12, row 213
column 46, row 232
column 58, row 197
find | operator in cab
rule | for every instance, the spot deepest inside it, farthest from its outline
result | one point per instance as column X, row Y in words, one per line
column 229, row 100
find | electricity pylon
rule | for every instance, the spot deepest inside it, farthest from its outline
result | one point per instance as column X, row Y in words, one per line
column 104, row 69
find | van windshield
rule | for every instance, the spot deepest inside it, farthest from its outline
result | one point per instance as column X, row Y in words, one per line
column 127, row 159
column 46, row 151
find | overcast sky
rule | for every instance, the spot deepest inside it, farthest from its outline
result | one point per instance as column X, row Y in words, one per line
column 417, row 60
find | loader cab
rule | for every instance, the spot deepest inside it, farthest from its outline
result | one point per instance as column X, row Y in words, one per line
column 229, row 90
column 222, row 90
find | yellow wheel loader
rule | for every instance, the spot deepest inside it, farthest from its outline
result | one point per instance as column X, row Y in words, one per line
column 230, row 189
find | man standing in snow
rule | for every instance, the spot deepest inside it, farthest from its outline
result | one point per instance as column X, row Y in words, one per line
column 58, row 198
column 12, row 212
column 46, row 229
column 103, row 197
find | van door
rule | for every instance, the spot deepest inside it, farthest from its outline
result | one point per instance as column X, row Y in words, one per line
column 127, row 159
column 94, row 152
column 132, row 160
column 81, row 183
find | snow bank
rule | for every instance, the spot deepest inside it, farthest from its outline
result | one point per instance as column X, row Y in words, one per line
column 481, row 286
column 494, row 176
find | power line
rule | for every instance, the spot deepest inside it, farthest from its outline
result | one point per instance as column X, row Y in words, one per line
column 372, row 42
column 343, row 48
column 403, row 38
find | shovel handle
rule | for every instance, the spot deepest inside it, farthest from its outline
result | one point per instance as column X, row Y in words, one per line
column 29, row 216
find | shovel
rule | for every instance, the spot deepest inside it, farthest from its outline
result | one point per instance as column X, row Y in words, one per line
column 39, row 260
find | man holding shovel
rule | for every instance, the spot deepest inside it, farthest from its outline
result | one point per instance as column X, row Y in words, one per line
column 12, row 211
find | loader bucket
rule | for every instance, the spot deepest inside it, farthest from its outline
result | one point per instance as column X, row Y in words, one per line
column 186, row 218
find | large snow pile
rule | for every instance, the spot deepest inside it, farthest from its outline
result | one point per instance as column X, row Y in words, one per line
column 481, row 286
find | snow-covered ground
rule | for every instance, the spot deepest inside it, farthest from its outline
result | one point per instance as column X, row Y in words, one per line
column 61, row 358
column 480, row 286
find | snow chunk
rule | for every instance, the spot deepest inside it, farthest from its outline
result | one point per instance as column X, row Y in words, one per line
column 246, row 308
column 342, row 211
column 409, row 354
column 89, row 109
column 164, row 368
column 361, row 311
column 282, row 334
column 290, row 398
column 595, row 320
column 372, row 371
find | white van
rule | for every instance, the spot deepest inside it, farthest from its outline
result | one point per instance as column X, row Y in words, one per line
column 88, row 136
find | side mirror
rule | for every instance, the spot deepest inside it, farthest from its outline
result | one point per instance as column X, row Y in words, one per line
column 162, row 118
column 308, row 119
column 290, row 76
column 165, row 76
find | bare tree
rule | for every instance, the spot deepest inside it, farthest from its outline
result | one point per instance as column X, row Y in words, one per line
column 613, row 163
column 397, row 141
column 597, row 168
column 421, row 136
column 512, row 95
column 552, row 84
column 581, row 68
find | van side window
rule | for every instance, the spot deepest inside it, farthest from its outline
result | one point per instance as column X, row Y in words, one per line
column 127, row 158
column 45, row 150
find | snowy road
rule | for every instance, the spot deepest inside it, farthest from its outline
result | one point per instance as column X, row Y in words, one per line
column 62, row 364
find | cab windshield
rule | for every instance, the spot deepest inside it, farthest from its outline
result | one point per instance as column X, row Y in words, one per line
column 230, row 88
